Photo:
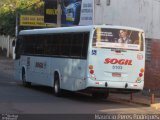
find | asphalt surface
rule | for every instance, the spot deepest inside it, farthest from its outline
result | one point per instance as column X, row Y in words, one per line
column 16, row 99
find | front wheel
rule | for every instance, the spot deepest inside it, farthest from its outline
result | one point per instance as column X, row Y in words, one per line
column 25, row 84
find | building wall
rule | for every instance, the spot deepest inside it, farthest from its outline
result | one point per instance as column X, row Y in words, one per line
column 152, row 73
column 143, row 14
column 6, row 48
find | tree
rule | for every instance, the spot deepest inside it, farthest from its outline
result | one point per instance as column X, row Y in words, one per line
column 9, row 9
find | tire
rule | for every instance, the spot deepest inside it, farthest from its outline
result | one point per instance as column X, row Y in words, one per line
column 57, row 90
column 24, row 83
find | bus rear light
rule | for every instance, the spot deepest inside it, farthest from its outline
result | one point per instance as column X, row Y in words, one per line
column 90, row 67
column 142, row 70
column 140, row 74
column 91, row 71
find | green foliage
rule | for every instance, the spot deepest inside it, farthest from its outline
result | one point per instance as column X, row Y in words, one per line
column 9, row 9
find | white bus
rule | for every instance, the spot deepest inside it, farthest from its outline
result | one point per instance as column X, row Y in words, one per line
column 93, row 58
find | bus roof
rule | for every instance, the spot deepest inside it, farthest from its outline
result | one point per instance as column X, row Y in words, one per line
column 73, row 29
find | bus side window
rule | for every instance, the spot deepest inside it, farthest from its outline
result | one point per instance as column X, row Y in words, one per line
column 18, row 47
column 77, row 42
column 47, row 39
column 85, row 45
column 66, row 44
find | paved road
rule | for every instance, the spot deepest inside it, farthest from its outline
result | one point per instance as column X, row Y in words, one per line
column 16, row 99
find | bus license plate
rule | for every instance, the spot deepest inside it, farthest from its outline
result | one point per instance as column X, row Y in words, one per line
column 116, row 74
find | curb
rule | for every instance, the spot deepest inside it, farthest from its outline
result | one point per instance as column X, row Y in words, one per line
column 130, row 101
column 155, row 106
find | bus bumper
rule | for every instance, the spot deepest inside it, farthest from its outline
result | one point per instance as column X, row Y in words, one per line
column 115, row 86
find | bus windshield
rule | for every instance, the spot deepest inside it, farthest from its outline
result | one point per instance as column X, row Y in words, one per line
column 118, row 38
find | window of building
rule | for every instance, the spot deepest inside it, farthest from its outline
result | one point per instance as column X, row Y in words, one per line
column 148, row 49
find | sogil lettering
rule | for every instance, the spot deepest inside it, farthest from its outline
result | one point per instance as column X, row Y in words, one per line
column 118, row 61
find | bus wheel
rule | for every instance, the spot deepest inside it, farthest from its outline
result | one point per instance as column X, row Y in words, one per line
column 57, row 90
column 25, row 84
column 97, row 95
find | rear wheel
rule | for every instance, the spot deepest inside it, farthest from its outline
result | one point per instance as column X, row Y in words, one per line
column 57, row 90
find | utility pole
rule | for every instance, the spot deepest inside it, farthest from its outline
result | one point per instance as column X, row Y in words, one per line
column 17, row 25
column 59, row 13
column 16, row 36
